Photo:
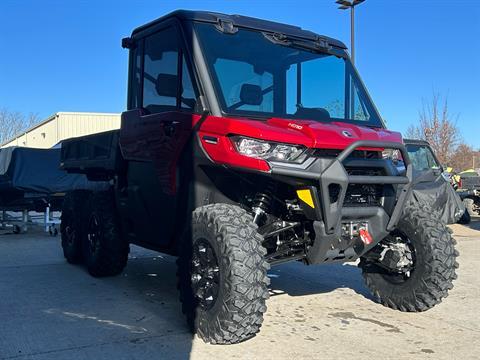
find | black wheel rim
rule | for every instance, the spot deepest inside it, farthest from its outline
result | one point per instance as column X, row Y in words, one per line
column 205, row 273
column 93, row 235
column 71, row 235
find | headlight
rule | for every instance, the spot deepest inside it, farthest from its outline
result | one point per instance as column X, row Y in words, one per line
column 271, row 151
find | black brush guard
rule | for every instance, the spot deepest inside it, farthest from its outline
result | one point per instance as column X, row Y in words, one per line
column 335, row 175
column 336, row 171
column 327, row 231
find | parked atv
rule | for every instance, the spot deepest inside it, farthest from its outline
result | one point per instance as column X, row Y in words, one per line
column 431, row 185
column 467, row 185
column 247, row 144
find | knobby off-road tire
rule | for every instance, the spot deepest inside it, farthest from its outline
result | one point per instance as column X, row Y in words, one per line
column 72, row 227
column 104, row 249
column 236, row 313
column 434, row 264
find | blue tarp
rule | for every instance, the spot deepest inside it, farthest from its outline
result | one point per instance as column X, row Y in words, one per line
column 37, row 171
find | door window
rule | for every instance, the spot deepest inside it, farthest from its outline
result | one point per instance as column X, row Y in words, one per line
column 160, row 74
column 167, row 83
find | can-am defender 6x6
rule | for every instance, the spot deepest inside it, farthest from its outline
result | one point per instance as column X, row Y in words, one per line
column 246, row 144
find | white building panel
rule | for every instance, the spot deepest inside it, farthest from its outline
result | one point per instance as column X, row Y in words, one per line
column 64, row 125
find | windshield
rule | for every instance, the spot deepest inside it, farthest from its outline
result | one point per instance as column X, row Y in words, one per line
column 255, row 76
column 422, row 157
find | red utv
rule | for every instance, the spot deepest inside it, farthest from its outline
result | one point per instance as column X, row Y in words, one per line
column 246, row 144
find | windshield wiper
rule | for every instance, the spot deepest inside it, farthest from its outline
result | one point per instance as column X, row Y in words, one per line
column 284, row 40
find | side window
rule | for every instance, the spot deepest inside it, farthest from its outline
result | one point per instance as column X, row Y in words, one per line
column 160, row 71
column 167, row 83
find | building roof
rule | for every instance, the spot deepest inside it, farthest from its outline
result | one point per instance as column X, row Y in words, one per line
column 244, row 22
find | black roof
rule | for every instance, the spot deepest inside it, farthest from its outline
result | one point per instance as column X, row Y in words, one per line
column 244, row 22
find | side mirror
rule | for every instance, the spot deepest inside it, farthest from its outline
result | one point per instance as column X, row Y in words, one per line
column 166, row 85
column 251, row 94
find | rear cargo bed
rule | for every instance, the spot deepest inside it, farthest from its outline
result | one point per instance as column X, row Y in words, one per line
column 96, row 155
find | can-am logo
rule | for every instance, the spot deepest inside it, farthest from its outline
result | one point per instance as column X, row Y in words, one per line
column 347, row 134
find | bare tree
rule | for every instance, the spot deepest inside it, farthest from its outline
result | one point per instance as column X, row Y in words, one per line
column 462, row 158
column 438, row 127
column 13, row 123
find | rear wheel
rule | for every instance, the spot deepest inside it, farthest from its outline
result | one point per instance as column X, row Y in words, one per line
column 104, row 249
column 222, row 275
column 412, row 269
column 71, row 229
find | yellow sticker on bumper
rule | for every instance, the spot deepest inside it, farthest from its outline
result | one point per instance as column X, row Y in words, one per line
column 306, row 197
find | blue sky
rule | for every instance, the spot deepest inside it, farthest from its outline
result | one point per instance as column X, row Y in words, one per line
column 66, row 55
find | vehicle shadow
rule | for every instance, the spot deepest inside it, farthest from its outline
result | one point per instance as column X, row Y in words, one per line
column 296, row 279
column 152, row 280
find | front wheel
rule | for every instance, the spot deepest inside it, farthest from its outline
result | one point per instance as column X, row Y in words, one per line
column 412, row 269
column 222, row 275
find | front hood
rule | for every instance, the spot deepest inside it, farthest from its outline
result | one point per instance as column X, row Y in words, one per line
column 313, row 134
column 335, row 135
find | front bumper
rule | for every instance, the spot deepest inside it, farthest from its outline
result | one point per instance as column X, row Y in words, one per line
column 324, row 176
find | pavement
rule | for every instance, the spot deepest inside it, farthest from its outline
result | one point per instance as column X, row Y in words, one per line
column 52, row 310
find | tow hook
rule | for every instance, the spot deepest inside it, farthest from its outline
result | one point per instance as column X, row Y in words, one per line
column 358, row 233
column 365, row 236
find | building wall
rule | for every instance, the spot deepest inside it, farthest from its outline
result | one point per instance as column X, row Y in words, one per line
column 64, row 125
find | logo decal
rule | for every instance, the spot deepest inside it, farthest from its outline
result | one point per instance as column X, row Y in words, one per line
column 295, row 126
column 347, row 134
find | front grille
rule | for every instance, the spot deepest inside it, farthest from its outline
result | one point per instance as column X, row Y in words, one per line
column 357, row 194
column 364, row 195
column 357, row 154
column 365, row 171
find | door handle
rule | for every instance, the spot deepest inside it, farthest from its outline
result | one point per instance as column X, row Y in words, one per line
column 169, row 127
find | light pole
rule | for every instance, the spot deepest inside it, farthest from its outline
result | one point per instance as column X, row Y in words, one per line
column 350, row 4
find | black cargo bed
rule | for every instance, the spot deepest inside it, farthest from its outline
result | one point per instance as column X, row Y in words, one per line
column 96, row 155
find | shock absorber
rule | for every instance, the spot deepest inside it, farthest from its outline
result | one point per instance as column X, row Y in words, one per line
column 262, row 204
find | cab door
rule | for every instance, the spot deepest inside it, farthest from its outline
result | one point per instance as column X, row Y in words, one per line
column 154, row 134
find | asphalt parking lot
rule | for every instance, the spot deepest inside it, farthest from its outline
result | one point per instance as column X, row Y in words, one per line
column 52, row 310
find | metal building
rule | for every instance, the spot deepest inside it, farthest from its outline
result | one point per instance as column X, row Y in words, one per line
column 64, row 125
